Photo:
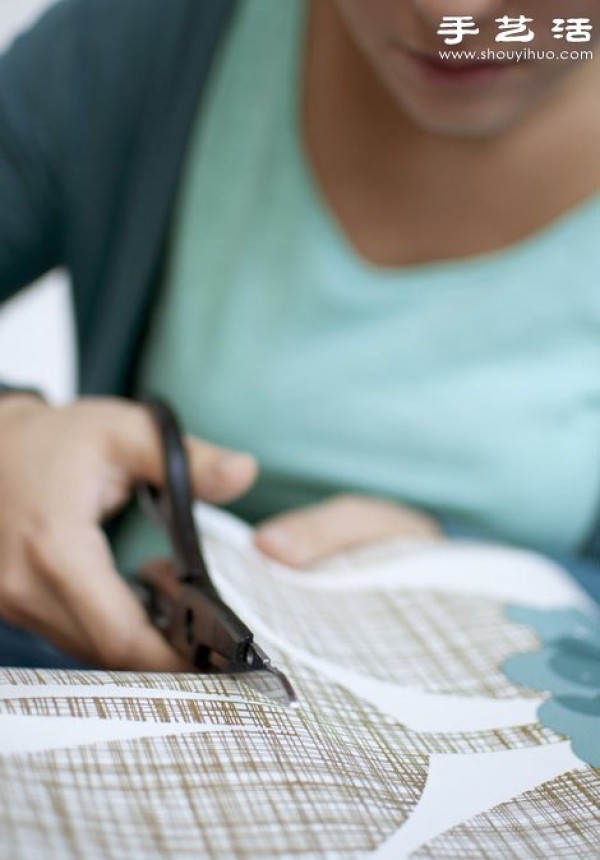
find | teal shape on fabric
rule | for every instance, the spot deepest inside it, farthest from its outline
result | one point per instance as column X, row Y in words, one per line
column 579, row 719
column 553, row 624
column 568, row 667
column 577, row 661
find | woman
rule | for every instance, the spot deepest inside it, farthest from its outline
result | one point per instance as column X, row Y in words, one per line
column 373, row 267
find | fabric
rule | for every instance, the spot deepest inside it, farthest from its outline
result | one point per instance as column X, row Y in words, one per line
column 408, row 736
column 273, row 336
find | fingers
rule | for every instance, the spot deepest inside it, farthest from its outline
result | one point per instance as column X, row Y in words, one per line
column 64, row 470
column 39, row 610
column 106, row 624
column 218, row 474
column 305, row 536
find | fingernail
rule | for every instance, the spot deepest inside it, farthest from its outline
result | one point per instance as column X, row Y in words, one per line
column 277, row 537
column 230, row 463
column 278, row 541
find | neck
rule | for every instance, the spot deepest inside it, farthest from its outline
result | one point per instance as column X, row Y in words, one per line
column 339, row 76
column 369, row 155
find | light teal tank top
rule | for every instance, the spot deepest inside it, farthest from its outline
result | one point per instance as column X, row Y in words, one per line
column 470, row 388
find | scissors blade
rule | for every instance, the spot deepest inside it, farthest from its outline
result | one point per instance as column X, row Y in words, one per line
column 169, row 603
column 272, row 684
column 260, row 674
column 179, row 594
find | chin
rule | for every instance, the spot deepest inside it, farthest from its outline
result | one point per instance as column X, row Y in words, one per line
column 479, row 120
column 490, row 113
column 464, row 127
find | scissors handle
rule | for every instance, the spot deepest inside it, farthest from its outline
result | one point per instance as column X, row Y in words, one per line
column 201, row 628
column 172, row 506
column 180, row 596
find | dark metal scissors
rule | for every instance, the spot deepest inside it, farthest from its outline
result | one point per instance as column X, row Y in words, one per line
column 179, row 595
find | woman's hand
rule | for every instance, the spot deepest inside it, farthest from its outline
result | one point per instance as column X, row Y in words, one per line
column 304, row 536
column 62, row 471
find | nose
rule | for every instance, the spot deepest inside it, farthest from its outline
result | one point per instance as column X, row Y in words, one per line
column 432, row 11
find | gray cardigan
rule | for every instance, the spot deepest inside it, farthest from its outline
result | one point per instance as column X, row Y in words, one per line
column 96, row 104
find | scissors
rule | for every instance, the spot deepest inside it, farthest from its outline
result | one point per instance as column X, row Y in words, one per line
column 179, row 595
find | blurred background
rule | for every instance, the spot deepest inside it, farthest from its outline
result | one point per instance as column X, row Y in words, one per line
column 36, row 337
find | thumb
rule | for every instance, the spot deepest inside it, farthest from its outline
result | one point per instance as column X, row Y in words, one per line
column 217, row 474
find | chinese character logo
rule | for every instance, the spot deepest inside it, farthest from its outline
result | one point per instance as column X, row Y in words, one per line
column 455, row 27
column 572, row 29
column 514, row 29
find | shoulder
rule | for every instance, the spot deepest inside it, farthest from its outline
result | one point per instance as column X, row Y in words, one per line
column 115, row 34
column 106, row 58
column 111, row 16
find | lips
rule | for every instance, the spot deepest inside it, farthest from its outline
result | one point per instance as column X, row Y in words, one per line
column 451, row 70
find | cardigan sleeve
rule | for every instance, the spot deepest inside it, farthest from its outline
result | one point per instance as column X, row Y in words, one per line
column 96, row 103
column 34, row 74
column 34, row 99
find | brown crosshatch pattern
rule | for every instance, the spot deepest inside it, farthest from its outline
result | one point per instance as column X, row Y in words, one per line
column 334, row 779
column 303, row 785
column 560, row 818
column 413, row 624
column 219, row 700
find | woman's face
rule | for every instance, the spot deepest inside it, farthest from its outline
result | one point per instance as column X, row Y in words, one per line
column 465, row 97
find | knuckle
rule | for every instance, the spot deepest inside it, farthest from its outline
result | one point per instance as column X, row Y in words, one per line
column 130, row 441
column 44, row 543
column 117, row 648
column 14, row 597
